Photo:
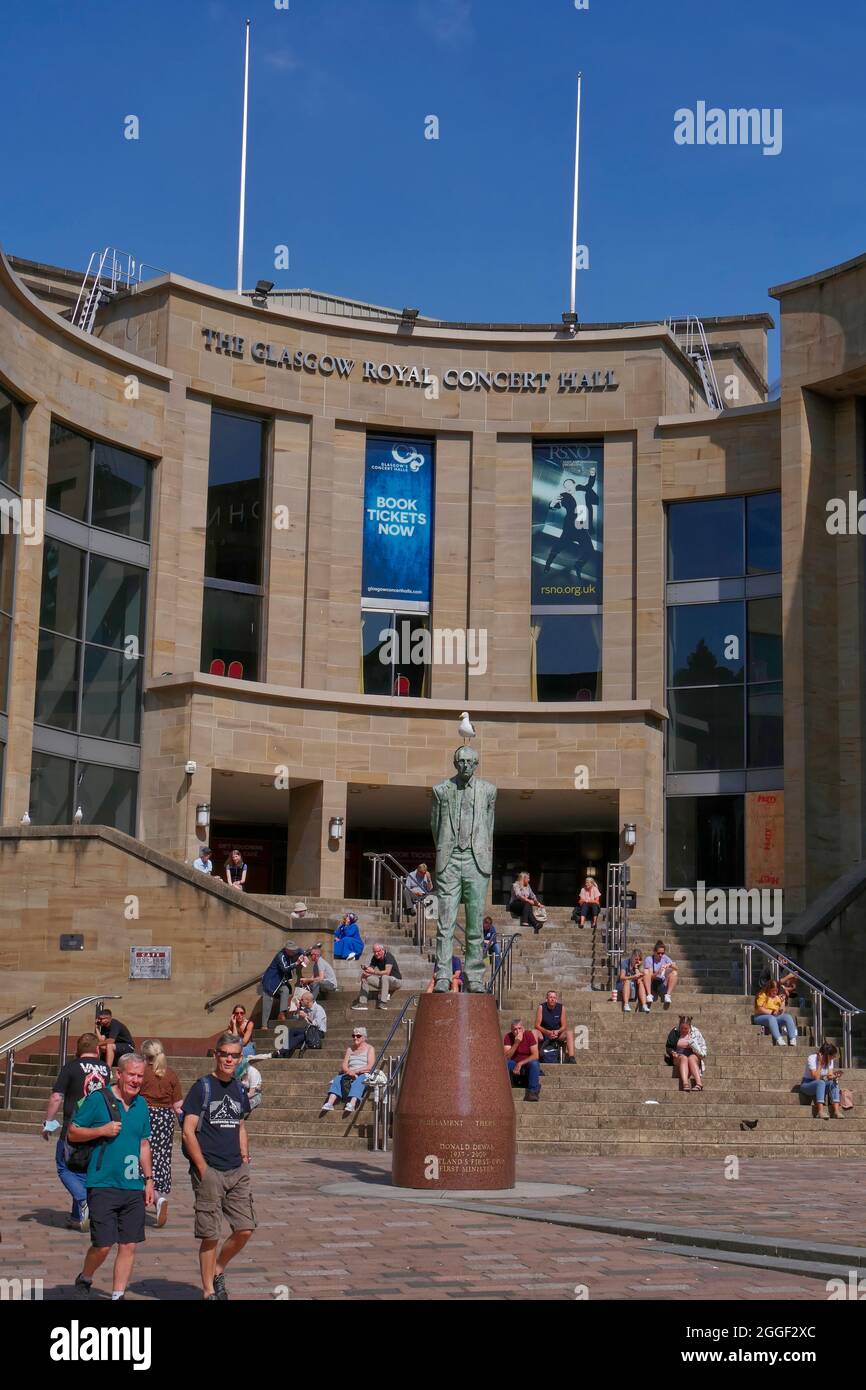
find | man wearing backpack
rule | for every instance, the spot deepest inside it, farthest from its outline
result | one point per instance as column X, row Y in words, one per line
column 216, row 1144
column 114, row 1123
column 75, row 1081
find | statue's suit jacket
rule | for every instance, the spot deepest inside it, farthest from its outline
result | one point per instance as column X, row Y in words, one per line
column 444, row 818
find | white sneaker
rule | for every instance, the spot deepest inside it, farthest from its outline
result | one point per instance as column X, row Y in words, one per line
column 667, row 998
column 792, row 1042
column 644, row 1008
column 781, row 1042
column 351, row 1107
column 329, row 1105
column 626, row 1008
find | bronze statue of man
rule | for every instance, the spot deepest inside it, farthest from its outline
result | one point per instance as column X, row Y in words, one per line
column 462, row 822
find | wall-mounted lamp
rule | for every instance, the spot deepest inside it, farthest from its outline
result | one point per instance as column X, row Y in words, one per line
column 202, row 815
column 589, row 871
column 335, row 827
column 629, row 834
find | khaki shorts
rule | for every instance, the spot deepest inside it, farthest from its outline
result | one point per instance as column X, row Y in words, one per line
column 219, row 1195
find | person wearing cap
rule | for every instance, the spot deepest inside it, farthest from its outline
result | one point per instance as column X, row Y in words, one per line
column 276, row 981
column 348, row 942
column 358, row 1059
column 204, row 864
column 321, row 983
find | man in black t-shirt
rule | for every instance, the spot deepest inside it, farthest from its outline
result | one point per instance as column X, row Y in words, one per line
column 382, row 975
column 114, row 1037
column 216, row 1144
column 82, row 1075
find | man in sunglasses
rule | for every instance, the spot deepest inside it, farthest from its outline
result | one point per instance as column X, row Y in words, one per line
column 216, row 1144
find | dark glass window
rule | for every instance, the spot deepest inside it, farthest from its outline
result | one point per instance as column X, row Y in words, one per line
column 566, row 656
column 396, row 653
column 11, row 434
column 765, row 725
column 7, row 581
column 57, row 671
column 107, row 796
column 706, row 643
column 705, row 840
column 111, row 697
column 121, row 483
column 765, row 639
column 52, row 782
column 764, row 533
column 62, row 580
column 706, row 729
column 121, row 492
column 5, row 658
column 115, row 602
column 705, row 539
column 68, row 472
column 233, row 545
column 230, row 634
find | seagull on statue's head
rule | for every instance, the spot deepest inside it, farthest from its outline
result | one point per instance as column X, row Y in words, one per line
column 79, row 816
column 466, row 729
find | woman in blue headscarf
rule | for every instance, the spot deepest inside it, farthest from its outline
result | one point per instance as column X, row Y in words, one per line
column 348, row 944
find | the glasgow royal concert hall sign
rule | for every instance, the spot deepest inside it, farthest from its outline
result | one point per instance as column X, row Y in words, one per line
column 406, row 374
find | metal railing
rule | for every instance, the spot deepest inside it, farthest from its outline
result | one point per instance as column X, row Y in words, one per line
column 62, row 1017
column 112, row 271
column 500, row 980
column 691, row 336
column 821, row 993
column 210, row 1004
column 16, row 1018
column 398, row 876
column 385, row 1097
column 616, row 919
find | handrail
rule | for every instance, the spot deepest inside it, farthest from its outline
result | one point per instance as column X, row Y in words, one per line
column 62, row 1017
column 211, row 1004
column 22, row 1013
column 500, row 980
column 383, row 1093
column 398, row 874
column 821, row 992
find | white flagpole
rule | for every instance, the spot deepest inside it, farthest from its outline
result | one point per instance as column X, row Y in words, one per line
column 574, row 215
column 243, row 164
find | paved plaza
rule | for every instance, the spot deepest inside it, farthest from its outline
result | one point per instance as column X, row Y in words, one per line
column 373, row 1244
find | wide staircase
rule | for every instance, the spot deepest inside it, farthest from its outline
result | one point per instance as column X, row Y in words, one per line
column 619, row 1099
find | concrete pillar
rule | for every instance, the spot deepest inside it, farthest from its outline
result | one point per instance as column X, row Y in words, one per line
column 316, row 864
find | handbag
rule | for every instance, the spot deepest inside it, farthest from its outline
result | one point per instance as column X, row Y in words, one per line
column 540, row 914
column 846, row 1097
column 313, row 1037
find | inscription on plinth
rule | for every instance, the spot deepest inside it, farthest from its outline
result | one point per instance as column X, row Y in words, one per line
column 454, row 1127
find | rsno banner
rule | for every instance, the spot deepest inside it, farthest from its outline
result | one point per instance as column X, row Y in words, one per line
column 398, row 520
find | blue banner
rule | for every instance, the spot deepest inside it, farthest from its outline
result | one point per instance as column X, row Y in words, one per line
column 398, row 520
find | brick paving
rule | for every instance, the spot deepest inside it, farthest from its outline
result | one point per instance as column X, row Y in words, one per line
column 311, row 1244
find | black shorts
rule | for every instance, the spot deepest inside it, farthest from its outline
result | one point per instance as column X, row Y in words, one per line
column 116, row 1216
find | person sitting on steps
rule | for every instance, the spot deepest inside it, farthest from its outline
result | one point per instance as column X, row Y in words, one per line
column 660, row 976
column 456, row 977
column 521, row 1058
column 821, row 1081
column 588, row 903
column 523, row 901
column 348, row 942
column 551, row 1024
column 685, row 1051
column 358, row 1059
column 382, row 975
column 632, row 983
column 770, row 1010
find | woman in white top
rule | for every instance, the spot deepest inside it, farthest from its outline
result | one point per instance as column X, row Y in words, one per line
column 820, row 1081
column 358, row 1059
column 522, row 902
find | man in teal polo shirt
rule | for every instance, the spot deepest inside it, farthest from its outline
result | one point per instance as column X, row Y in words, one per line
column 119, row 1174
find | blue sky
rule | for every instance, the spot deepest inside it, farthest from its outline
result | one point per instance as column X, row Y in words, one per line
column 474, row 225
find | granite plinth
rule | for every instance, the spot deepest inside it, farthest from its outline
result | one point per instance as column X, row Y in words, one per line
column 454, row 1128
